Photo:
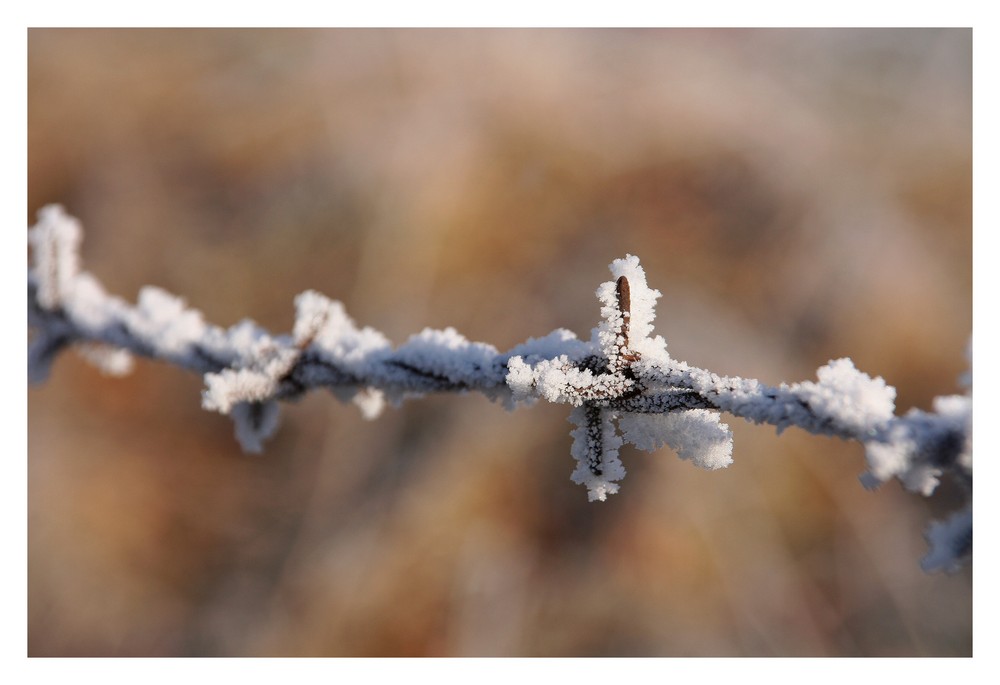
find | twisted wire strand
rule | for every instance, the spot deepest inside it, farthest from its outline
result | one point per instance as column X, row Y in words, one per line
column 248, row 370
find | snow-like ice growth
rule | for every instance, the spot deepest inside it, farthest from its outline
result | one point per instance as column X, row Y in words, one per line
column 595, row 448
column 165, row 320
column 852, row 399
column 528, row 362
column 262, row 362
column 560, row 381
column 916, row 448
column 642, row 298
column 334, row 334
column 621, row 383
column 956, row 413
column 447, row 354
column 697, row 435
column 642, row 311
column 622, row 339
column 111, row 361
column 91, row 307
column 323, row 326
column 521, row 379
column 370, row 402
column 55, row 242
column 559, row 342
column 235, row 346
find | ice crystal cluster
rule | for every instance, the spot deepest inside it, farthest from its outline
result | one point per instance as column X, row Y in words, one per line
column 622, row 385
column 612, row 404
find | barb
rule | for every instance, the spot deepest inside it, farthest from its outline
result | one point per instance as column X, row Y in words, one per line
column 624, row 306
column 622, row 383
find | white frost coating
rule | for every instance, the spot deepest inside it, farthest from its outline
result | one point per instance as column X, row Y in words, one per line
column 557, row 380
column 313, row 311
column 696, row 435
column 335, row 335
column 899, row 457
column 237, row 344
column 323, row 325
column 228, row 388
column 642, row 311
column 559, row 342
column 55, row 242
column 956, row 410
column 448, row 354
column 603, row 451
column 854, row 400
column 621, row 377
column 891, row 458
column 560, row 381
column 268, row 363
column 523, row 360
column 643, row 298
column 254, row 423
column 906, row 450
column 91, row 306
column 165, row 320
column 111, row 361
column 521, row 379
column 370, row 402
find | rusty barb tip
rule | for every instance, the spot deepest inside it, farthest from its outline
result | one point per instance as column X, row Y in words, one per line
column 624, row 303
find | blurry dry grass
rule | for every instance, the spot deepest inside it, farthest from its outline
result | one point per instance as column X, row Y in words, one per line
column 796, row 195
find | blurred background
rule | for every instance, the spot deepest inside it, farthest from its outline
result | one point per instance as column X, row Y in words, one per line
column 796, row 195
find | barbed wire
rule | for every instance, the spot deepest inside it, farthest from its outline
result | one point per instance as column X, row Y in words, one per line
column 622, row 383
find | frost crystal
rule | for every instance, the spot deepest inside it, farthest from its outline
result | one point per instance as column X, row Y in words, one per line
column 621, row 383
column 370, row 402
column 696, row 435
column 325, row 325
column 639, row 318
column 956, row 414
column 110, row 360
column 852, row 400
column 558, row 342
column 55, row 243
column 262, row 364
column 165, row 319
column 448, row 355
column 559, row 380
column 521, row 379
column 91, row 306
column 595, row 448
column 918, row 447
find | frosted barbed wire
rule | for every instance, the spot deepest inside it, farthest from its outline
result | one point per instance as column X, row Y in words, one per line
column 622, row 384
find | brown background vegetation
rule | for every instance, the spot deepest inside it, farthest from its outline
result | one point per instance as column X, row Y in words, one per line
column 797, row 196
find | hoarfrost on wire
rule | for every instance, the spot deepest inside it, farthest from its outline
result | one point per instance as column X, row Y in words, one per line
column 622, row 384
column 855, row 401
column 595, row 448
column 638, row 316
column 696, row 435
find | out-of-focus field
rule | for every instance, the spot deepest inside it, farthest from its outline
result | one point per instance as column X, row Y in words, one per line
column 796, row 195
